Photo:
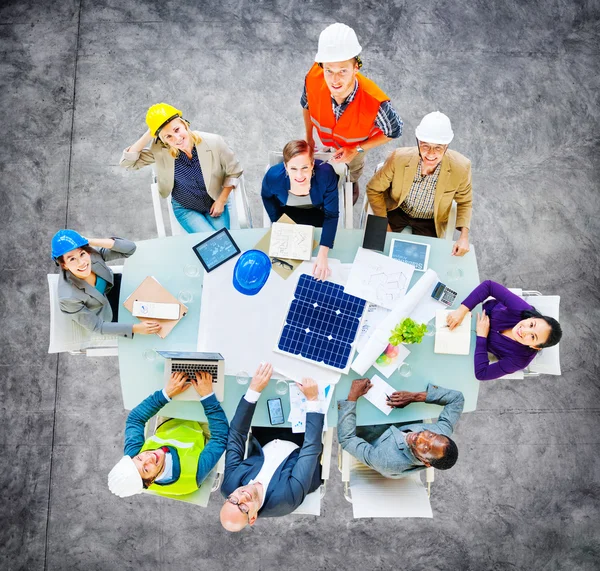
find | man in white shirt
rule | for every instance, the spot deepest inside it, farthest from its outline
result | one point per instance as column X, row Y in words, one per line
column 272, row 480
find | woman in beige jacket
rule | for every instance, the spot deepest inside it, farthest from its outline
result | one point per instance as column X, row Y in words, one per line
column 197, row 169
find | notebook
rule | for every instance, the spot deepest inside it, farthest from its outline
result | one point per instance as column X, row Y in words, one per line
column 293, row 241
column 455, row 342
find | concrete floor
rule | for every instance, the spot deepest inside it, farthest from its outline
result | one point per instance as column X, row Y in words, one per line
column 520, row 83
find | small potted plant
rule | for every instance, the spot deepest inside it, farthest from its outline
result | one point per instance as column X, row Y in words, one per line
column 407, row 332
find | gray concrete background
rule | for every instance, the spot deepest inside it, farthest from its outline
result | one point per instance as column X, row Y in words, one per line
column 520, row 83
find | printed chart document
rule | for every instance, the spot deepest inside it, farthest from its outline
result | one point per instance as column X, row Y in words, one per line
column 377, row 394
column 378, row 278
column 297, row 416
column 455, row 342
column 293, row 241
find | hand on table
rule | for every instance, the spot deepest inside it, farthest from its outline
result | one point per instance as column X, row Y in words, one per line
column 202, row 383
column 321, row 269
column 359, row 388
column 455, row 318
column 177, row 383
column 310, row 388
column 399, row 399
column 147, row 327
column 483, row 324
column 461, row 247
column 261, row 377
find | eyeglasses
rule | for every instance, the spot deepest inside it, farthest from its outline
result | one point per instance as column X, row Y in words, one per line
column 437, row 149
column 282, row 263
column 242, row 507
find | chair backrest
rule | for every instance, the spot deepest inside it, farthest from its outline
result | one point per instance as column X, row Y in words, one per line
column 547, row 361
column 373, row 495
column 344, row 188
column 67, row 335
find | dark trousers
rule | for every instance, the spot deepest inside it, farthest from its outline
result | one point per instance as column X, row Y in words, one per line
column 310, row 216
column 113, row 297
column 398, row 220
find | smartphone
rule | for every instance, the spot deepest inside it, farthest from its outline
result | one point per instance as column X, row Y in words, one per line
column 275, row 411
column 156, row 310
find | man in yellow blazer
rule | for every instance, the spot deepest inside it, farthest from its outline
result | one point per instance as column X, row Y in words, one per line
column 416, row 185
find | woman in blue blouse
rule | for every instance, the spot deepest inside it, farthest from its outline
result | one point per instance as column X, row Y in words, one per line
column 197, row 169
column 307, row 191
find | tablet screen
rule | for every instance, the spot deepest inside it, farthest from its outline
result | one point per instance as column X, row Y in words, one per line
column 413, row 253
column 216, row 249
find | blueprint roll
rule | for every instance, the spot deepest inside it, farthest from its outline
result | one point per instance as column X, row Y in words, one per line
column 380, row 337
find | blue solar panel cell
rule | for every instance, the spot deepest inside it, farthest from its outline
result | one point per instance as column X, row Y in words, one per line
column 322, row 322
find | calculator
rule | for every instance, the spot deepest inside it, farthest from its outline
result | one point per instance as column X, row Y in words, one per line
column 441, row 292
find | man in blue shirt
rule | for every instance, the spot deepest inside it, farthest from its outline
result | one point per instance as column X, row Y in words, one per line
column 179, row 456
column 398, row 450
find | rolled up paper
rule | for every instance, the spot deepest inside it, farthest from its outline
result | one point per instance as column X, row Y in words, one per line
column 380, row 338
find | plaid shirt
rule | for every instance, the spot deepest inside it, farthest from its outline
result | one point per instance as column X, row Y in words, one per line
column 387, row 120
column 419, row 202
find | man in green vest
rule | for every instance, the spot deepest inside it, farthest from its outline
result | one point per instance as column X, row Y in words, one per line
column 178, row 457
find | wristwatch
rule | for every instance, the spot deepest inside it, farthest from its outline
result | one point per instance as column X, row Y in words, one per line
column 359, row 149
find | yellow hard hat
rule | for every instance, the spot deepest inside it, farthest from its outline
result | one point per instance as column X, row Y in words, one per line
column 159, row 115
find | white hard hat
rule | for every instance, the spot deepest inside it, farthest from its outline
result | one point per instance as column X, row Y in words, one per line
column 435, row 128
column 337, row 42
column 124, row 479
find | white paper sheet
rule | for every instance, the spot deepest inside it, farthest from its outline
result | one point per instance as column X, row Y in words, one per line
column 293, row 241
column 378, row 278
column 244, row 329
column 388, row 370
column 377, row 394
column 297, row 416
column 455, row 342
column 380, row 337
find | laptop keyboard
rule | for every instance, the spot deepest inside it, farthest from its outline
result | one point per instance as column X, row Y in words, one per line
column 191, row 368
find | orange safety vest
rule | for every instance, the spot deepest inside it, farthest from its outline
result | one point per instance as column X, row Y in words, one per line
column 357, row 122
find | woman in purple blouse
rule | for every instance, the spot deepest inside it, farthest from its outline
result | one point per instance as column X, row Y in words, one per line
column 508, row 327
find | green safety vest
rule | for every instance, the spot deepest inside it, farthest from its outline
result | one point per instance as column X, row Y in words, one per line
column 187, row 438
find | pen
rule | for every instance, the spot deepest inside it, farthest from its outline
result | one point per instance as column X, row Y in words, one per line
column 388, row 397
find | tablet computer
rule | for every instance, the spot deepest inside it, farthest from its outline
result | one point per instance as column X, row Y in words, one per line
column 413, row 253
column 215, row 250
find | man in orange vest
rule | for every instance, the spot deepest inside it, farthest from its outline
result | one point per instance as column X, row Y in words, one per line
column 350, row 113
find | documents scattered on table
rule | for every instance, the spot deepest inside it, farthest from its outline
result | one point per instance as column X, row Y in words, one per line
column 293, row 241
column 455, row 342
column 297, row 416
column 378, row 278
column 378, row 394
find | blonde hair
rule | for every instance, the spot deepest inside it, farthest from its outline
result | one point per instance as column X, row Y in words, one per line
column 173, row 151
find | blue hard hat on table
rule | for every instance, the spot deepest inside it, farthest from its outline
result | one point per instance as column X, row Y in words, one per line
column 66, row 240
column 251, row 272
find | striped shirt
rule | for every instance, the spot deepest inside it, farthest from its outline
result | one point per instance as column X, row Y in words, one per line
column 419, row 202
column 189, row 188
column 387, row 121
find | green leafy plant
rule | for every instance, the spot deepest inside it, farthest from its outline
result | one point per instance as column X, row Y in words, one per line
column 408, row 331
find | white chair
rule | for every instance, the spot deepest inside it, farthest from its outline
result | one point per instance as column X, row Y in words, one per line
column 312, row 502
column 450, row 228
column 67, row 336
column 240, row 214
column 547, row 361
column 344, row 188
column 211, row 483
column 373, row 495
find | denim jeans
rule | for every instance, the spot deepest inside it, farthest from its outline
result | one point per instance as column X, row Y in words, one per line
column 193, row 221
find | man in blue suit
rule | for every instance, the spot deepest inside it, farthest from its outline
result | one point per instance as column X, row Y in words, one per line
column 275, row 478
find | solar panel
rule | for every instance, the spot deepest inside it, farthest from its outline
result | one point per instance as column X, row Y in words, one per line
column 321, row 323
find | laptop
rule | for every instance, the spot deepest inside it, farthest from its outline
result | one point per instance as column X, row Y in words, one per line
column 190, row 362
